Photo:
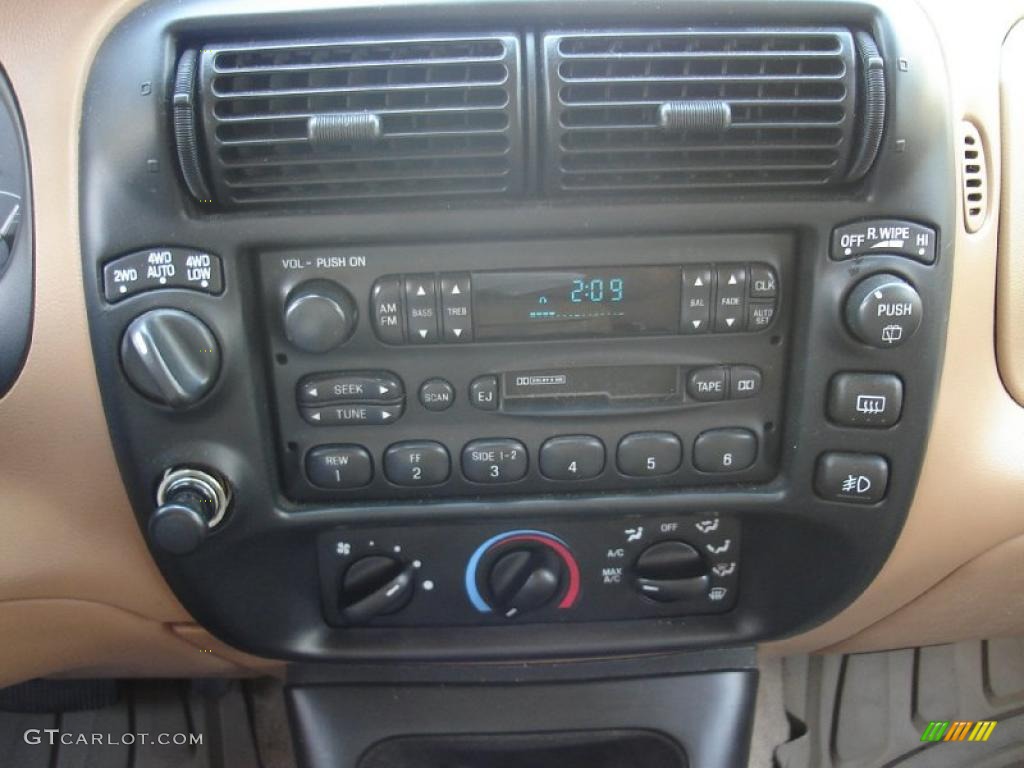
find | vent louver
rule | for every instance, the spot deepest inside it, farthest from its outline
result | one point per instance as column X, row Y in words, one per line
column 633, row 112
column 341, row 122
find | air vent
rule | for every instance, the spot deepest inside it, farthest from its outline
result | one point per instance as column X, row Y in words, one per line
column 974, row 177
column 346, row 122
column 632, row 112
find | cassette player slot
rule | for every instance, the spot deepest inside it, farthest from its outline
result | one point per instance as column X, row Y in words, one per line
column 598, row 389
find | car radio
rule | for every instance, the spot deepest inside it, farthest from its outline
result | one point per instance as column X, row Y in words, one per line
column 433, row 370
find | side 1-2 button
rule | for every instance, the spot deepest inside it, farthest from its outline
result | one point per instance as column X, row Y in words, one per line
column 497, row 460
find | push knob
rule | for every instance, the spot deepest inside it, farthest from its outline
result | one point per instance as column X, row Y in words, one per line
column 524, row 579
column 171, row 357
column 319, row 315
column 375, row 585
column 190, row 503
column 884, row 311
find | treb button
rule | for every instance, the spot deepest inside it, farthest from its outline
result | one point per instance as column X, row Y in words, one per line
column 457, row 308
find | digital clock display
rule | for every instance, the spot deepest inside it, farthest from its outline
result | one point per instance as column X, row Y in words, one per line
column 630, row 301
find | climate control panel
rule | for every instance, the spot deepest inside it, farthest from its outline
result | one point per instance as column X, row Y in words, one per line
column 581, row 570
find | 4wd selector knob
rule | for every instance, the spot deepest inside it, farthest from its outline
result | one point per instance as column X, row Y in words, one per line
column 170, row 356
column 884, row 311
column 319, row 315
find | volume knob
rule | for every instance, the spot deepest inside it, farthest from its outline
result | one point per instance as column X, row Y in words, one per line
column 319, row 315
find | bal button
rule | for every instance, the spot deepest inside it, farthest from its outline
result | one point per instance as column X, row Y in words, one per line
column 884, row 311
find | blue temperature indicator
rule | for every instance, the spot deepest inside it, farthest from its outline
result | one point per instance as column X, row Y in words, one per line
column 596, row 290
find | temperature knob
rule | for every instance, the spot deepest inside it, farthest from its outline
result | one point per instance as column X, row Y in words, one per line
column 522, row 571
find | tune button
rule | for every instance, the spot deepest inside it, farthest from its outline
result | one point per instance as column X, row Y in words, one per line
column 649, row 454
column 572, row 457
column 419, row 462
column 498, row 460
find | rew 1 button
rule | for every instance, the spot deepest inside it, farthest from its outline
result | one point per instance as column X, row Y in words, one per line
column 649, row 454
column 858, row 477
column 572, row 457
column 865, row 399
column 422, row 462
column 500, row 460
column 725, row 450
column 339, row 466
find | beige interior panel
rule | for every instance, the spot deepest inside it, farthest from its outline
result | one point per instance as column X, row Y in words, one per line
column 44, row 637
column 1010, row 329
column 78, row 590
column 968, row 499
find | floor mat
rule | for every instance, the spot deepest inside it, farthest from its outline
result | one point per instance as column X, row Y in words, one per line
column 871, row 710
column 154, row 724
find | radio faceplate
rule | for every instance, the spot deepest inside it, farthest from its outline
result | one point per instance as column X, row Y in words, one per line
column 381, row 415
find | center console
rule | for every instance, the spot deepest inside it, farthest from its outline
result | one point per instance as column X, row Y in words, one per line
column 509, row 341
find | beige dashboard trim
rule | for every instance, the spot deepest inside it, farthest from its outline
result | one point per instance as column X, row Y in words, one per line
column 1010, row 296
column 78, row 590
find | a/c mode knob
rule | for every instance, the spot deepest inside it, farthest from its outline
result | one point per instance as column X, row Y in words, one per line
column 884, row 311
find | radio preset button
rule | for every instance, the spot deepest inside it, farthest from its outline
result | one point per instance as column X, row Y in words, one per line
column 708, row 384
column 731, row 301
column 572, row 457
column 457, row 308
column 649, row 454
column 697, row 285
column 348, row 415
column 339, row 466
column 421, row 462
column 724, row 450
column 483, row 393
column 744, row 381
column 865, row 399
column 437, row 395
column 421, row 309
column 344, row 387
column 498, row 460
column 387, row 309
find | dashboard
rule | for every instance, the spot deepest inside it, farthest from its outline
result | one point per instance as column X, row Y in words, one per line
column 415, row 339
